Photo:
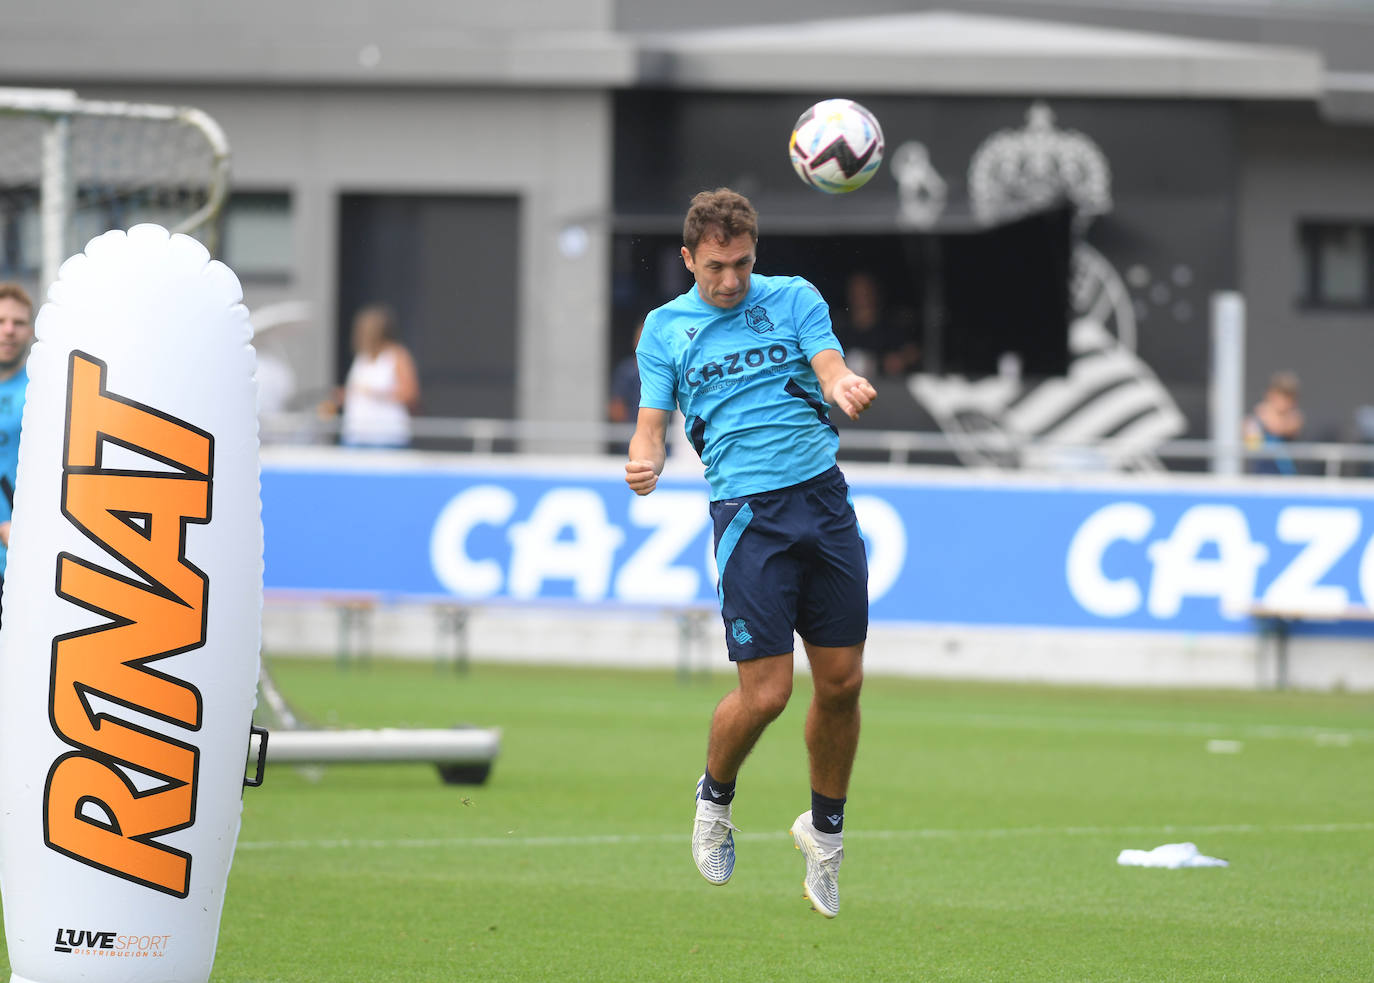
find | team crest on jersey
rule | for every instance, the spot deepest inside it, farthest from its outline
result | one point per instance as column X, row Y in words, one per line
column 757, row 318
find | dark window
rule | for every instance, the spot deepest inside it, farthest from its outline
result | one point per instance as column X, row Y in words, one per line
column 956, row 299
column 20, row 239
column 255, row 226
column 256, row 241
column 455, row 292
column 1338, row 265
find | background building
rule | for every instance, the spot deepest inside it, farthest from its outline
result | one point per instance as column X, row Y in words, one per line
column 510, row 177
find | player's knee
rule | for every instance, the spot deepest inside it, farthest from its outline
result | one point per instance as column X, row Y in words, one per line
column 769, row 699
column 839, row 690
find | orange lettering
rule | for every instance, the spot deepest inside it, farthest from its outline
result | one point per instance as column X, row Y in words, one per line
column 139, row 518
column 119, row 845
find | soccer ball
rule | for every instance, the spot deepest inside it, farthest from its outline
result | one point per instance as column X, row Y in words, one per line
column 836, row 146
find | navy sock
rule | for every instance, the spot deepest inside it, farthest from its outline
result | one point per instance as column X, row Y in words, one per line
column 721, row 793
column 827, row 815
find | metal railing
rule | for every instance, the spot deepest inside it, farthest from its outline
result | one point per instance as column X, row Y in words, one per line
column 897, row 447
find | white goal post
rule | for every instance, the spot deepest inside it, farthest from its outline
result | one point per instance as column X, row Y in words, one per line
column 71, row 168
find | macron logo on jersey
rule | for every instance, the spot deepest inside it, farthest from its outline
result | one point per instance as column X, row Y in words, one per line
column 692, row 332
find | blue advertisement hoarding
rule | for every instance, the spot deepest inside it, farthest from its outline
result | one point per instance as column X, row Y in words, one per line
column 1189, row 557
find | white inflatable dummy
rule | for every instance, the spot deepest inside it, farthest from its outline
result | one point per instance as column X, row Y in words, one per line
column 132, row 617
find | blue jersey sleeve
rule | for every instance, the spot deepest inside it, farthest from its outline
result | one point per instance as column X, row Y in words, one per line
column 657, row 378
column 812, row 317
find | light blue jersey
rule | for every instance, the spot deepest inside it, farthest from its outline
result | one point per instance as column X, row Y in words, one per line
column 11, row 413
column 743, row 379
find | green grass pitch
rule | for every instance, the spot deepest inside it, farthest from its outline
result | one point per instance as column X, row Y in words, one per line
column 982, row 833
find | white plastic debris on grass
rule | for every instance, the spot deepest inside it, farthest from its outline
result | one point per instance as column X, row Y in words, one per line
column 1170, row 855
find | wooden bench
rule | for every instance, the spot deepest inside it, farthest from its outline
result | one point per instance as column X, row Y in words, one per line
column 356, row 611
column 1277, row 623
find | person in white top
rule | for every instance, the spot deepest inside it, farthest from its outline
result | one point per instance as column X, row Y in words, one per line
column 383, row 387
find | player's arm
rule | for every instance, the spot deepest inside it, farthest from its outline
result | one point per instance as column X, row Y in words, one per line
column 648, row 450
column 840, row 385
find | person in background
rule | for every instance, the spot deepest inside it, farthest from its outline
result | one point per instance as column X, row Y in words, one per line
column 16, row 338
column 877, row 339
column 1275, row 421
column 755, row 368
column 623, row 406
column 382, row 389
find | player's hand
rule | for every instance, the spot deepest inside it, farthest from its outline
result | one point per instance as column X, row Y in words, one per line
column 853, row 394
column 5, row 533
column 641, row 476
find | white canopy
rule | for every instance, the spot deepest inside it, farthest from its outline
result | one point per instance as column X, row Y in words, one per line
column 938, row 52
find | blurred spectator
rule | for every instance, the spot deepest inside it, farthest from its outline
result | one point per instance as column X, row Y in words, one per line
column 16, row 338
column 877, row 339
column 382, row 388
column 1364, row 434
column 624, row 403
column 275, row 375
column 1275, row 421
column 276, row 382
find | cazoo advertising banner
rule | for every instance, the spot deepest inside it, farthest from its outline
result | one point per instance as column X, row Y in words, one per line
column 944, row 547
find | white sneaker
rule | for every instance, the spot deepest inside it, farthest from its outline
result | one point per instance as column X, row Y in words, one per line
column 713, row 839
column 823, row 852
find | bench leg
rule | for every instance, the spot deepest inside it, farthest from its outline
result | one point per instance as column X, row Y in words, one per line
column 690, row 628
column 452, row 624
column 1274, row 634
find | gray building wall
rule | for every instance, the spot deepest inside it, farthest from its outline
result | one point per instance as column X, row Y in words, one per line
column 1295, row 166
column 319, row 142
column 321, row 98
column 1343, row 30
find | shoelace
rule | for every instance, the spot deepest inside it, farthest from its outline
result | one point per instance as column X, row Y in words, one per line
column 716, row 835
column 830, row 862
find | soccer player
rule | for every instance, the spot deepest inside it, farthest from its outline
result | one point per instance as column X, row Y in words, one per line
column 753, row 364
column 16, row 336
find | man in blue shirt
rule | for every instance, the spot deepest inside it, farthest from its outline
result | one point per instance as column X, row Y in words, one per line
column 1275, row 422
column 16, row 336
column 754, row 366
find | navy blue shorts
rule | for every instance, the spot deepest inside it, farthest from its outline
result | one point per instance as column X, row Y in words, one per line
column 791, row 560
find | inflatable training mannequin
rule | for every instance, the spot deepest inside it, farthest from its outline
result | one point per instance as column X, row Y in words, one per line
column 132, row 617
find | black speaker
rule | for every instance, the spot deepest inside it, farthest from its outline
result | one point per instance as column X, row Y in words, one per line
column 1003, row 289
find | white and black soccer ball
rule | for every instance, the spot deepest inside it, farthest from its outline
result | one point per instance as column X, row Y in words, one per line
column 836, row 146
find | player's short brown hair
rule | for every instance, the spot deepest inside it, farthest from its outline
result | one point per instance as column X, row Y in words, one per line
column 721, row 214
column 13, row 291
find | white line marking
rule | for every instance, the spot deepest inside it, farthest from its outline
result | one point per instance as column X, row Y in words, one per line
column 632, row 839
column 1160, row 728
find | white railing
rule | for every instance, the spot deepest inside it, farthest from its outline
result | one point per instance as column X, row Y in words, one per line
column 898, row 447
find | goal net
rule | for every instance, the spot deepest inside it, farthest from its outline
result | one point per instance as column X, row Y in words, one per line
column 72, row 168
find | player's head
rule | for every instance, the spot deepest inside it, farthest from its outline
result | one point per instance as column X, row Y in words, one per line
column 16, row 327
column 373, row 326
column 721, row 215
column 719, row 240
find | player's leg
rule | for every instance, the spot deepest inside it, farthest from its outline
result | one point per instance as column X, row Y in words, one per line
column 832, row 721
column 832, row 739
column 765, row 685
column 833, row 623
column 760, row 580
column 739, row 719
column 759, row 583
